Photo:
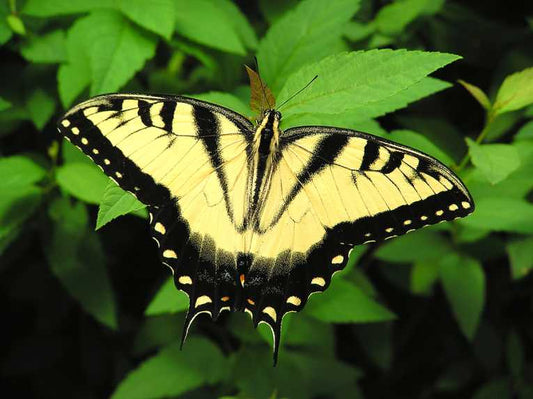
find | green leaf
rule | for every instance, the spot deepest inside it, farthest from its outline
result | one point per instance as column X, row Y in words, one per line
column 72, row 154
column 421, row 143
column 356, row 31
column 348, row 81
column 353, row 116
column 393, row 18
column 521, row 257
column 114, row 49
column 495, row 161
column 167, row 300
column 274, row 9
column 47, row 49
column 172, row 371
column 239, row 22
column 19, row 171
column 157, row 17
column 464, row 284
column 82, row 181
column 477, row 93
column 515, row 92
column 209, row 23
column 16, row 24
column 525, row 132
column 41, row 107
column 516, row 185
column 417, row 246
column 74, row 75
column 156, row 332
column 5, row 31
column 115, row 202
column 502, row 214
column 298, row 375
column 424, row 274
column 77, row 259
column 226, row 100
column 17, row 204
column 308, row 33
column 50, row 8
column 4, row 104
column 332, row 305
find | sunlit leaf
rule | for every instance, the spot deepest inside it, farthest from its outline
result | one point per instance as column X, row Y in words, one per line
column 496, row 161
column 115, row 202
column 49, row 48
column 394, row 17
column 351, row 80
column 477, row 93
column 172, row 371
column 417, row 246
column 167, row 300
column 158, row 17
column 331, row 306
column 208, row 23
column 515, row 92
column 82, row 181
column 502, row 214
column 350, row 118
column 89, row 41
column 226, row 100
column 19, row 171
column 309, row 32
column 464, row 284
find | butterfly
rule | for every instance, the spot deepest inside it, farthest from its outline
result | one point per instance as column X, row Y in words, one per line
column 252, row 218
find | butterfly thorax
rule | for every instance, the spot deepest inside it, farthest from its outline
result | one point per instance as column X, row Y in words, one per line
column 265, row 150
column 267, row 133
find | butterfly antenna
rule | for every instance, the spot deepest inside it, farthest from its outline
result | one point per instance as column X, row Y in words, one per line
column 261, row 81
column 298, row 92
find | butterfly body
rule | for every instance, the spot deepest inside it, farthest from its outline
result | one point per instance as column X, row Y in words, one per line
column 251, row 217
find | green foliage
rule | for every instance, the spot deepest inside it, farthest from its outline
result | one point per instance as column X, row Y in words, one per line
column 225, row 28
column 441, row 312
column 77, row 259
column 47, row 49
column 331, row 306
column 156, row 377
column 350, row 81
column 495, row 161
column 115, row 202
column 306, row 34
column 464, row 283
